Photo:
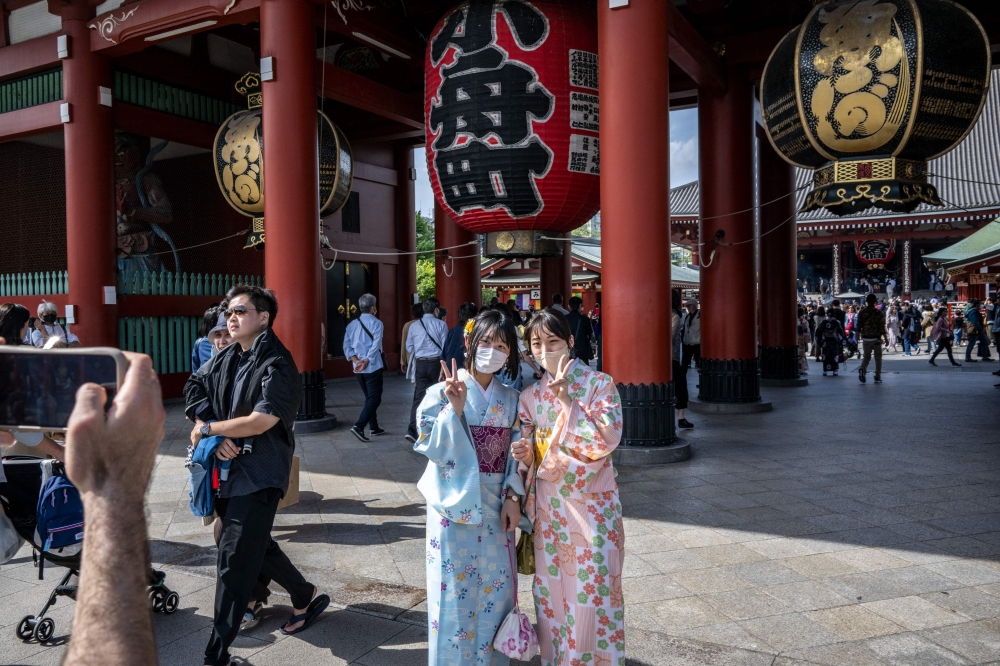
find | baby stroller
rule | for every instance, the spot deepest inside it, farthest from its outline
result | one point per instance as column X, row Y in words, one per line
column 19, row 496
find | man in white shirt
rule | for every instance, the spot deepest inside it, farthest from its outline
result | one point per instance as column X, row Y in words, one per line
column 46, row 327
column 425, row 345
column 363, row 346
column 557, row 303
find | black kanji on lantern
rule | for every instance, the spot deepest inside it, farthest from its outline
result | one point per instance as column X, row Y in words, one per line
column 875, row 249
column 497, row 101
column 486, row 152
column 477, row 176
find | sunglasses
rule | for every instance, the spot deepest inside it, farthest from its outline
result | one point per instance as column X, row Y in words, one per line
column 238, row 310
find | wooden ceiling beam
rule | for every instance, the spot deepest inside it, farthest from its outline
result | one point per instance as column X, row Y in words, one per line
column 356, row 91
column 689, row 51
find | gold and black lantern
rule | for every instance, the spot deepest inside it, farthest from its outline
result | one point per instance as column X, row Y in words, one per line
column 239, row 161
column 865, row 92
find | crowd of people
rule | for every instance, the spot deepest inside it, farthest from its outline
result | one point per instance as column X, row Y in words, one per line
column 835, row 332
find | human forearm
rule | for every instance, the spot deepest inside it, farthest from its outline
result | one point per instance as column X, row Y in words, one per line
column 245, row 426
column 113, row 623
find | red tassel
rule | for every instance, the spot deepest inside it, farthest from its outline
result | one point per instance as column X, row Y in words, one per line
column 215, row 478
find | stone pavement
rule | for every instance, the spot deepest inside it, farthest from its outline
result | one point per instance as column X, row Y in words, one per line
column 853, row 525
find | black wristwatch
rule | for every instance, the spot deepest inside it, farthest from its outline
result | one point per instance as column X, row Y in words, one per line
column 205, row 430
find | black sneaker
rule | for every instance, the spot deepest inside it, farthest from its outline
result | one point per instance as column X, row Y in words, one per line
column 989, row 359
column 412, row 439
column 878, row 380
column 932, row 363
column 359, row 434
column 996, row 372
column 684, row 423
column 971, row 360
column 378, row 431
column 861, row 375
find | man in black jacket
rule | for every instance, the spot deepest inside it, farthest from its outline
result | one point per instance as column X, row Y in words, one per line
column 249, row 393
column 582, row 330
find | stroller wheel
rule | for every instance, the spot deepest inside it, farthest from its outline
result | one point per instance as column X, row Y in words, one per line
column 156, row 597
column 45, row 629
column 26, row 627
column 171, row 602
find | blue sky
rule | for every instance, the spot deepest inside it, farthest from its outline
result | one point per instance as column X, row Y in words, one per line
column 683, row 158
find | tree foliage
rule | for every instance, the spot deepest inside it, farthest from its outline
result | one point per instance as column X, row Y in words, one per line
column 425, row 262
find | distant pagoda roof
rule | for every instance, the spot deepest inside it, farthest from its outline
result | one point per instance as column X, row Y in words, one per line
column 980, row 246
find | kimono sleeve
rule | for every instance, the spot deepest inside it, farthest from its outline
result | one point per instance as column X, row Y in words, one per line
column 594, row 430
column 450, row 484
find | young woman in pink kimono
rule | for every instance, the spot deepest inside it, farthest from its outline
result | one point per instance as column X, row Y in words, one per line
column 571, row 421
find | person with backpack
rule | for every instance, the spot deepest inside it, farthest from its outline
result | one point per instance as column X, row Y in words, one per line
column 363, row 346
column 831, row 338
column 425, row 345
column 975, row 329
column 871, row 324
column 910, row 323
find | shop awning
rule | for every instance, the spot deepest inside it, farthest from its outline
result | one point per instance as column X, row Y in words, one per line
column 981, row 246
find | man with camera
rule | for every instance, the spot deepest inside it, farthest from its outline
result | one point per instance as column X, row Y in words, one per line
column 249, row 393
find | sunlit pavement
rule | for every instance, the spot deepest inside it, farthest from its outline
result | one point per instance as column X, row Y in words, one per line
column 855, row 524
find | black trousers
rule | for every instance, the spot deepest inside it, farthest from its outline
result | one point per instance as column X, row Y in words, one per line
column 371, row 386
column 680, row 385
column 247, row 552
column 427, row 373
column 943, row 344
column 689, row 353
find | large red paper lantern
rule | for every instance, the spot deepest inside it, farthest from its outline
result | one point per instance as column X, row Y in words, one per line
column 512, row 116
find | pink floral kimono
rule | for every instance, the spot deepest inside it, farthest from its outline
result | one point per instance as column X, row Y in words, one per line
column 573, row 505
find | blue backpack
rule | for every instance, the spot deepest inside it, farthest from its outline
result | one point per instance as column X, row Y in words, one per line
column 60, row 514
column 206, row 472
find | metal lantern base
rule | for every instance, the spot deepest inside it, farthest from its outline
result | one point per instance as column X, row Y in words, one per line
column 507, row 244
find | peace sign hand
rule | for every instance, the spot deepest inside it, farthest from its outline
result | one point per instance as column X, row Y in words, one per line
column 559, row 384
column 454, row 388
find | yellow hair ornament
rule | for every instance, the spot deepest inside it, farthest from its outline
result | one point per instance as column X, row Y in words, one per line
column 468, row 326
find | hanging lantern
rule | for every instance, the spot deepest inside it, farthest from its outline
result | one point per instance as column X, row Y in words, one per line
column 239, row 161
column 865, row 92
column 875, row 250
column 512, row 120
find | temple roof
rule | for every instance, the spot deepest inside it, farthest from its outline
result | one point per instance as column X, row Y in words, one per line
column 976, row 159
column 980, row 246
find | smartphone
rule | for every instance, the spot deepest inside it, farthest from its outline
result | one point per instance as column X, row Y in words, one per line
column 38, row 386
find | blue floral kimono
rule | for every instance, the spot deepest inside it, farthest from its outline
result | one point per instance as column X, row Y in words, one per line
column 470, row 585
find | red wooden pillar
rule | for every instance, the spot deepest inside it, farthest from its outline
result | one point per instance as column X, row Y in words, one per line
column 90, row 205
column 406, row 235
column 456, row 280
column 635, row 216
column 728, row 292
column 557, row 276
column 291, row 186
column 779, row 349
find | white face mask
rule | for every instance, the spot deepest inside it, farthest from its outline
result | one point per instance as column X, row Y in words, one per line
column 489, row 360
column 550, row 360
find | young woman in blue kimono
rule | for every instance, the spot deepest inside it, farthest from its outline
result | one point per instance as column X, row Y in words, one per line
column 467, row 425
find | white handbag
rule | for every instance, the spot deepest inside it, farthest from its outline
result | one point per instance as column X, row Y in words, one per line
column 516, row 638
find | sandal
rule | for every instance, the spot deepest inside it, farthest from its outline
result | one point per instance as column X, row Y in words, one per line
column 251, row 617
column 313, row 611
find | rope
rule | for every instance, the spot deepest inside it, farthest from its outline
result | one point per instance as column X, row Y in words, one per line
column 191, row 247
column 400, row 254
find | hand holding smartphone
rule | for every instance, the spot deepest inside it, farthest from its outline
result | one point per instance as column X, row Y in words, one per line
column 38, row 386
